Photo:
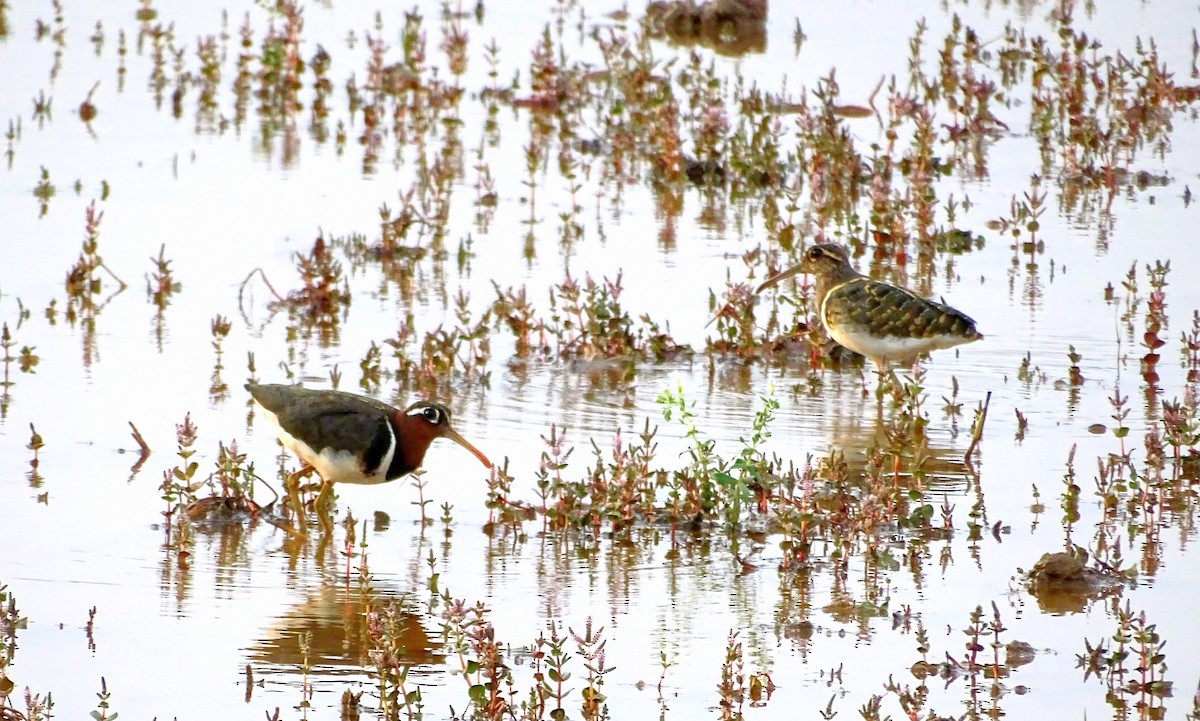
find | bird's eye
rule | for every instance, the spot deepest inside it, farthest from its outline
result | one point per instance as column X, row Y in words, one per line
column 432, row 415
column 815, row 253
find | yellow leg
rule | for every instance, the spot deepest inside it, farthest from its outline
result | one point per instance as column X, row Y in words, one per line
column 324, row 497
column 292, row 484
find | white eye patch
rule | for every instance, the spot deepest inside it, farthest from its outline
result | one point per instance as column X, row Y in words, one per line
column 429, row 413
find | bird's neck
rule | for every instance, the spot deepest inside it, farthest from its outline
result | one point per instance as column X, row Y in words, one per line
column 831, row 279
column 412, row 440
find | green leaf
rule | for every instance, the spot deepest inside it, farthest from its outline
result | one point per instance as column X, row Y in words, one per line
column 921, row 515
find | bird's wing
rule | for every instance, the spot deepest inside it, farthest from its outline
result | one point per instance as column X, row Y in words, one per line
column 889, row 310
column 338, row 422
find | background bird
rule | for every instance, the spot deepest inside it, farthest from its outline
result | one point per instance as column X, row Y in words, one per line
column 348, row 438
column 879, row 320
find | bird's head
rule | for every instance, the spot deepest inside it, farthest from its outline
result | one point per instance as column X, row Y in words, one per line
column 425, row 421
column 824, row 260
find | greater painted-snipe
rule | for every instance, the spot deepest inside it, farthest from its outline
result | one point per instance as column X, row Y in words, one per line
column 879, row 320
column 348, row 438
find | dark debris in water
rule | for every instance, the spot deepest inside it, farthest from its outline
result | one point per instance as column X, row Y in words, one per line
column 1062, row 582
column 215, row 511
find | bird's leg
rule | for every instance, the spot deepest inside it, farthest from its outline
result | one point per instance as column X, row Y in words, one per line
column 292, row 485
column 324, row 497
column 884, row 380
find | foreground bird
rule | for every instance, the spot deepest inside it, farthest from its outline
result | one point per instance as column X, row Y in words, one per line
column 878, row 320
column 348, row 438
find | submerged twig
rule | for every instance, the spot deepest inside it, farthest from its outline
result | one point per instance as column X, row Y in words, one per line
column 871, row 99
column 115, row 277
column 263, row 273
column 143, row 449
column 142, row 445
column 242, row 292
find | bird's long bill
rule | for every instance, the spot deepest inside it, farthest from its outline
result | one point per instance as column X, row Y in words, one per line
column 453, row 435
column 775, row 279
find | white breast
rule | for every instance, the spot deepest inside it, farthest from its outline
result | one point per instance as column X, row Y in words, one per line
column 888, row 347
column 882, row 349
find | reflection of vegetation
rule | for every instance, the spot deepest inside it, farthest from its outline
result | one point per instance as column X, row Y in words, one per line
column 36, row 443
column 161, row 287
column 652, row 115
column 586, row 322
column 84, row 285
column 26, row 359
column 1132, row 665
column 614, row 115
column 44, row 191
column 322, row 302
column 323, row 299
column 11, row 621
column 230, row 502
column 827, row 503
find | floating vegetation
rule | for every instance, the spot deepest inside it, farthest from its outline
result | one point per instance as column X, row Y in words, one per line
column 44, row 192
column 85, row 286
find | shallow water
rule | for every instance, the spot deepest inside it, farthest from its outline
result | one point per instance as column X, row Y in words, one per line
column 174, row 640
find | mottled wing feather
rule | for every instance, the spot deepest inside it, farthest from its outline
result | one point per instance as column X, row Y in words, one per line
column 888, row 310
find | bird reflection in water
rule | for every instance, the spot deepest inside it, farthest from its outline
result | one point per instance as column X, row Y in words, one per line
column 335, row 618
